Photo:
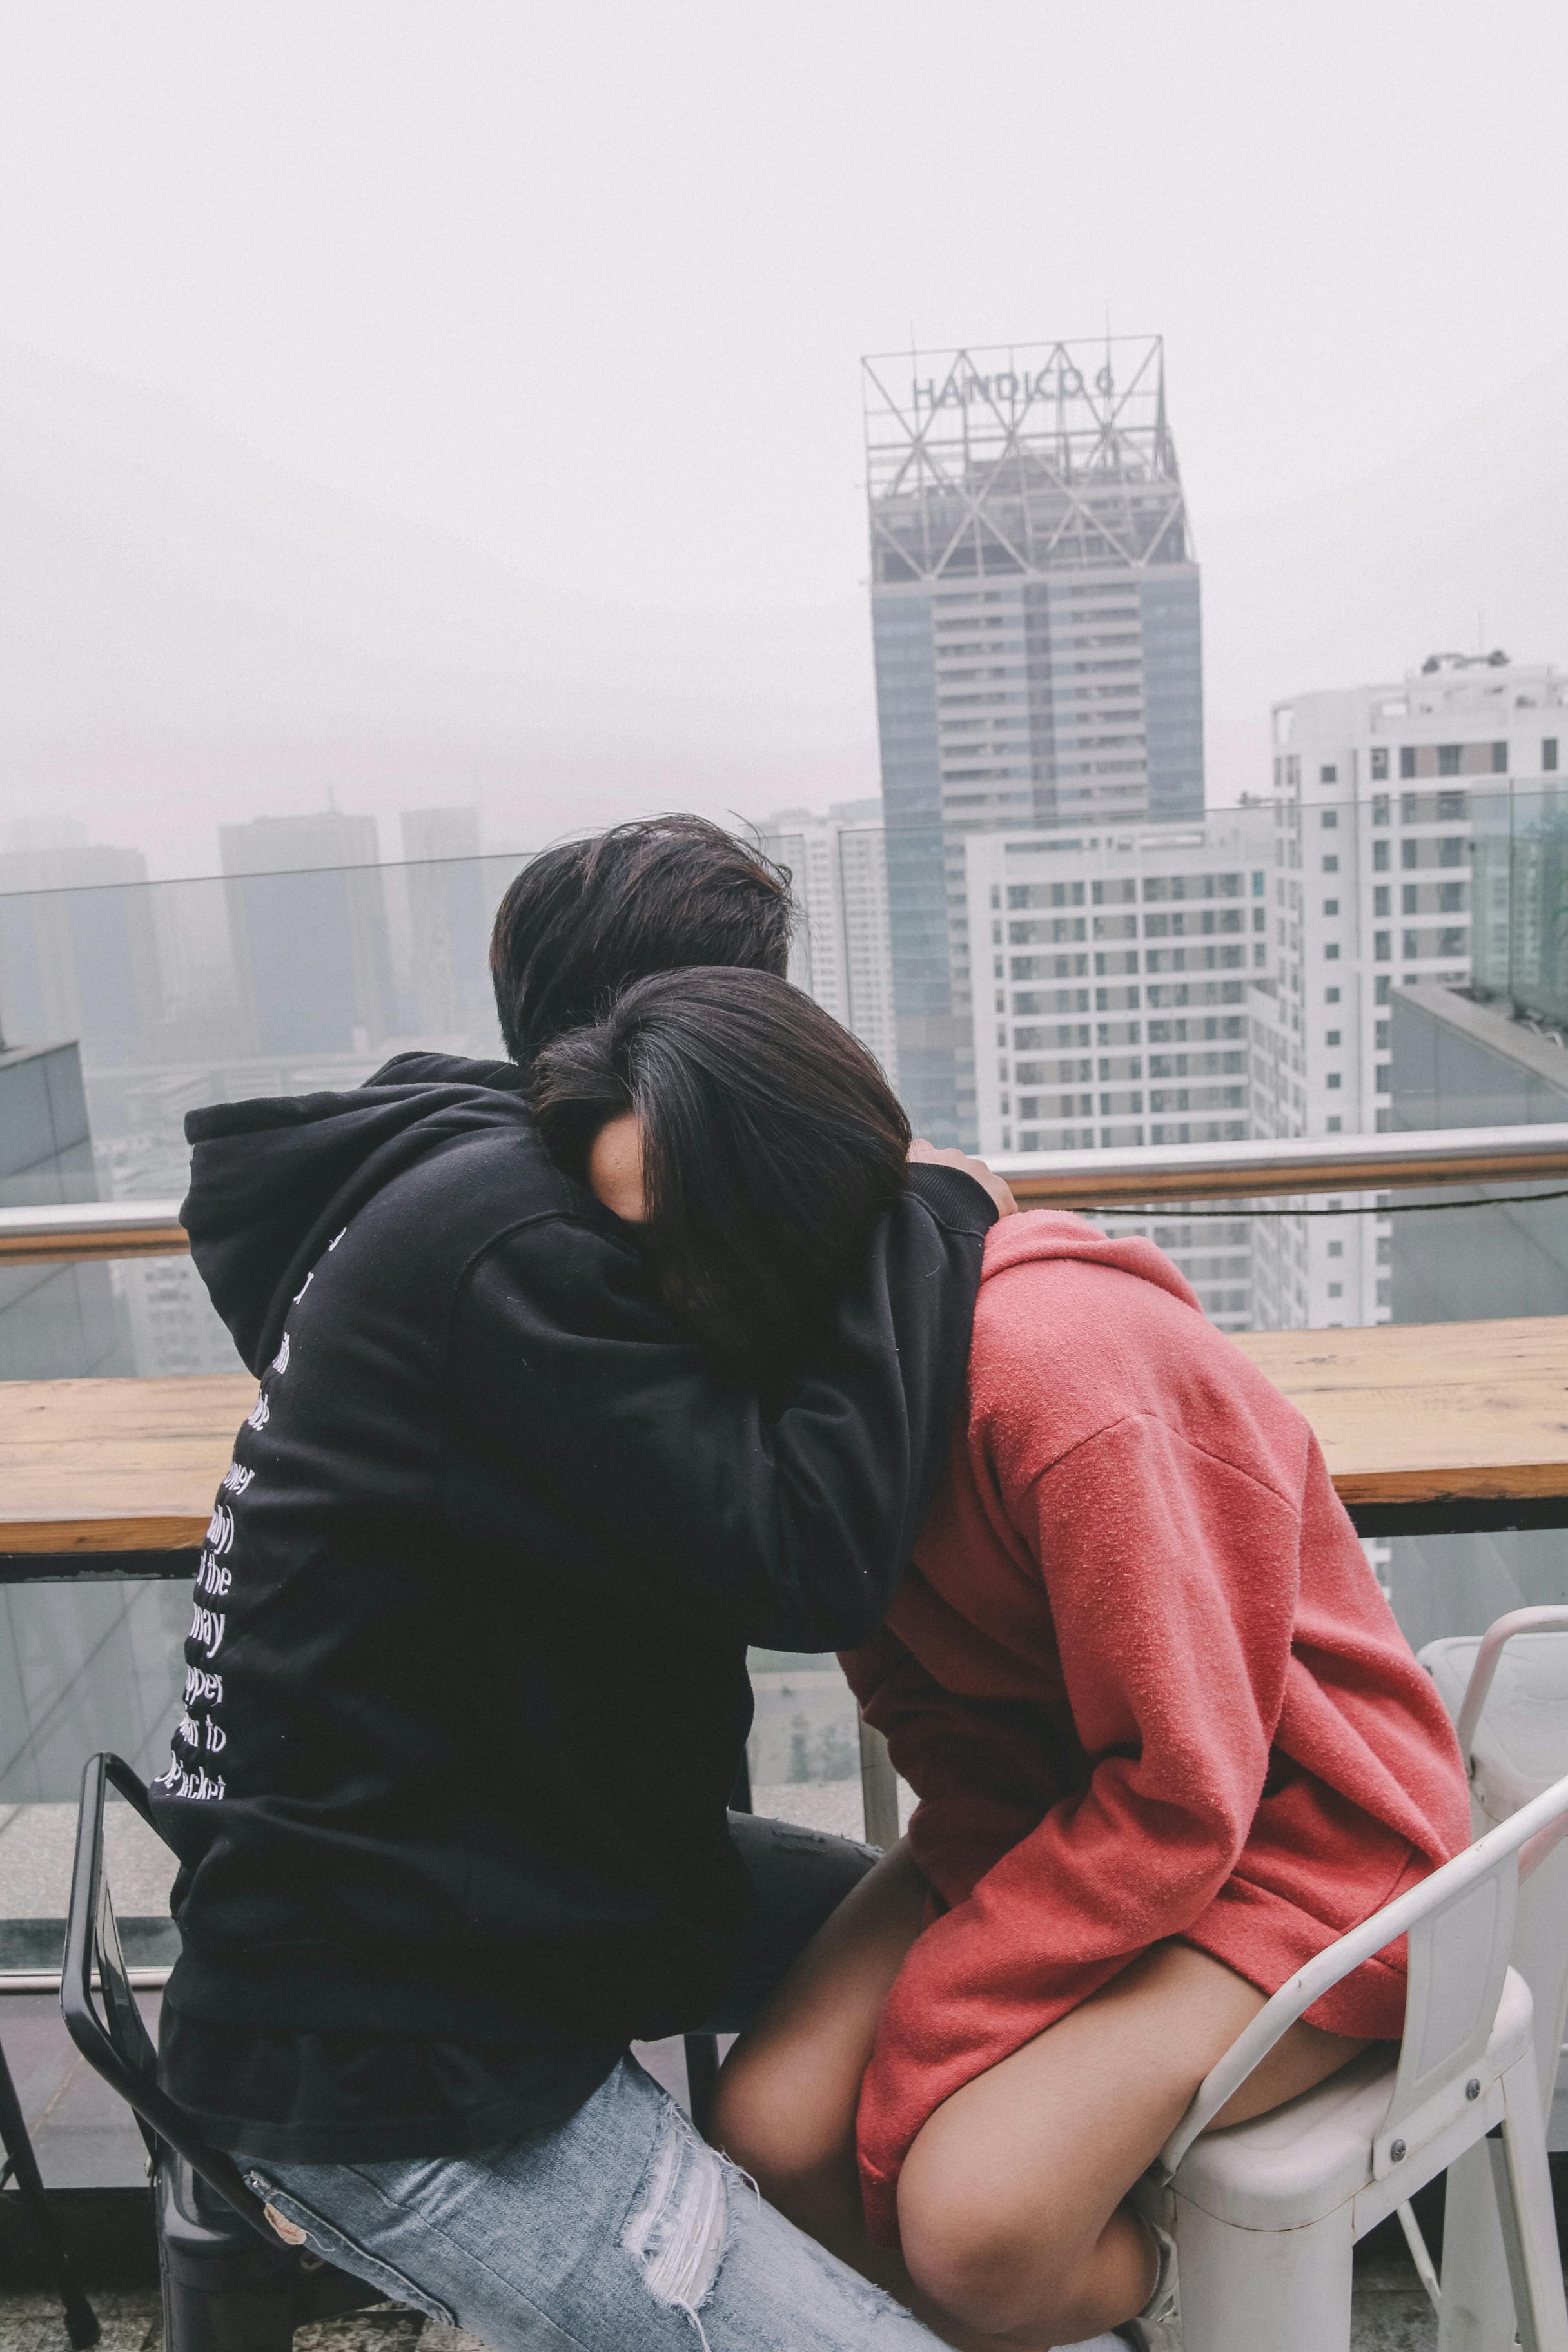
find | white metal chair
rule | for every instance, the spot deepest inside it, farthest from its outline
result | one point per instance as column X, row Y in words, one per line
column 1265, row 2215
column 1512, row 1715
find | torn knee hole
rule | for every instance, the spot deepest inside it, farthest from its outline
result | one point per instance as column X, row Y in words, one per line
column 677, row 2223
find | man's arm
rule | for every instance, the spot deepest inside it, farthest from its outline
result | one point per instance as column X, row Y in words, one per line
column 572, row 1402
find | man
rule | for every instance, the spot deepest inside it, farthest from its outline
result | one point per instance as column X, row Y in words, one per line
column 466, row 1686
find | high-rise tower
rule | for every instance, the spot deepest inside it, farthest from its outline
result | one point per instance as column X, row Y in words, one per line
column 1035, row 622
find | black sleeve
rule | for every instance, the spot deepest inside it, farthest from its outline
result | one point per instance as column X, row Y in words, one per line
column 578, row 1415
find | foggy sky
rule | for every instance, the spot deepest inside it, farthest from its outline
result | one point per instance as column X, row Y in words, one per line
column 414, row 400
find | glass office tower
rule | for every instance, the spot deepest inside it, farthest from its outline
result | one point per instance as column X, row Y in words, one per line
column 1035, row 625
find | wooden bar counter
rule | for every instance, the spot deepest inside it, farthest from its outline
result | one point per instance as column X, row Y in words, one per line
column 1426, row 1428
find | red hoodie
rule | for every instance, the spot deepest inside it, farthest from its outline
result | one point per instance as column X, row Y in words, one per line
column 1141, row 1679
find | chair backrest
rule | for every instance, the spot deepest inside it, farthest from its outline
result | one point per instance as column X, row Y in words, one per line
column 117, row 2045
column 1458, row 1955
column 1552, row 1617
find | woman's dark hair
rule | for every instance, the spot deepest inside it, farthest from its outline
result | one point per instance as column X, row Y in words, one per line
column 772, row 1144
column 583, row 920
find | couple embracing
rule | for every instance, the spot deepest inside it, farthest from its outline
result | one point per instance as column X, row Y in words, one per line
column 582, row 1371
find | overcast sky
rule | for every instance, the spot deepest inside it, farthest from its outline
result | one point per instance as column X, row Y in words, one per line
column 586, row 288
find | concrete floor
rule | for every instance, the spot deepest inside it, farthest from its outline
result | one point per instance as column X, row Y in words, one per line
column 131, row 2324
column 1392, row 2315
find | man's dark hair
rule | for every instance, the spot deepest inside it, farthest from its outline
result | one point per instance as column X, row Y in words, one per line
column 584, row 920
column 772, row 1144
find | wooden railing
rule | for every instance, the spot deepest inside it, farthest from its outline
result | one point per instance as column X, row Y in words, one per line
column 1076, row 1180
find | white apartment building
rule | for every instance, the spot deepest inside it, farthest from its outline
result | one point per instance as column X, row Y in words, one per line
column 1113, row 978
column 842, row 954
column 1118, row 963
column 1375, row 792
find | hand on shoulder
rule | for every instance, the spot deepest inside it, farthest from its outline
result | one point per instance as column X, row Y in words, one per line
column 952, row 1157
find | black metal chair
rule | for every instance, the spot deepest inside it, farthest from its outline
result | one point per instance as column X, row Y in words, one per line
column 22, row 2166
column 229, row 2282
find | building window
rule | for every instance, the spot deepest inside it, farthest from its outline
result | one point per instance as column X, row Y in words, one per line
column 1383, row 1074
column 1336, row 1290
column 1330, row 864
column 1331, row 952
column 1380, row 896
column 1548, row 752
column 1332, row 1038
column 1383, row 985
column 1331, row 906
column 1331, row 817
column 1380, row 856
column 1330, row 996
column 1410, row 903
column 1379, row 771
column 1336, row 1124
column 1450, row 759
column 1328, row 775
column 1381, row 950
column 1411, row 947
column 1336, row 1249
column 1333, row 1081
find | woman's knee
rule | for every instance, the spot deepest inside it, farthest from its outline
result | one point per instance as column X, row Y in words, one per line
column 980, row 2259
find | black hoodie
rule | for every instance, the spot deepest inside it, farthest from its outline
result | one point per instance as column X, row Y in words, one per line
column 466, row 1685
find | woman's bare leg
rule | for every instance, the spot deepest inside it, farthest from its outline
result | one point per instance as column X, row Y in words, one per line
column 1010, row 2202
column 785, row 2108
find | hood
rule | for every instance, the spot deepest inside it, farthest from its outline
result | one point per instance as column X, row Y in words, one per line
column 272, row 1179
column 1056, row 1233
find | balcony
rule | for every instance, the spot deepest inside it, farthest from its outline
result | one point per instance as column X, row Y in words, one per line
column 1445, row 1430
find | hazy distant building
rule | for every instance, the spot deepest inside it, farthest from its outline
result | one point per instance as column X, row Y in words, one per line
column 1381, row 793
column 57, row 1322
column 308, row 933
column 449, row 916
column 79, row 955
column 839, row 868
column 1115, row 968
column 1035, row 606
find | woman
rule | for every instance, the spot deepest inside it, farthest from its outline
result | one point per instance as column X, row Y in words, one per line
column 1167, row 1738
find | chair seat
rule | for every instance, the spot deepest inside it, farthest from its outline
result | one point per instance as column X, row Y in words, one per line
column 1315, row 2153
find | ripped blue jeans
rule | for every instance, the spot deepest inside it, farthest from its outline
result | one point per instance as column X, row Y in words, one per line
column 619, row 2231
